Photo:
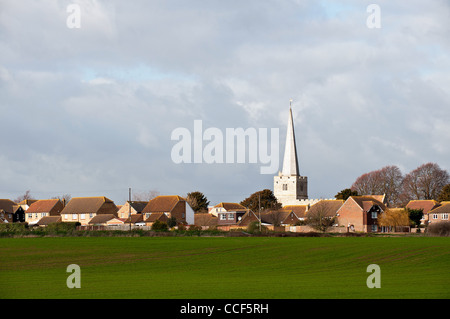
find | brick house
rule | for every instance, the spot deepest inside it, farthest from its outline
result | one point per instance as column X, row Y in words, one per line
column 164, row 207
column 135, row 207
column 439, row 213
column 43, row 208
column 228, row 213
column 83, row 209
column 7, row 207
column 425, row 205
column 360, row 213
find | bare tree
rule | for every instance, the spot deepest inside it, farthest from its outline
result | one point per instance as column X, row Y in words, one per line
column 145, row 196
column 321, row 217
column 387, row 181
column 273, row 217
column 63, row 198
column 425, row 182
column 25, row 196
column 368, row 183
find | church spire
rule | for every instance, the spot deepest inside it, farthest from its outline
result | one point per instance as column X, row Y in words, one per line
column 290, row 162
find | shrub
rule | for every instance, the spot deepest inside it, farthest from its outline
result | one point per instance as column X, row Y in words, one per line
column 439, row 228
column 253, row 228
column 160, row 226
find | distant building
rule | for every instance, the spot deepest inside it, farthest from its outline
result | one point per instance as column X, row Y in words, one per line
column 289, row 187
column 360, row 213
column 228, row 213
column 439, row 213
column 42, row 208
column 425, row 205
column 135, row 207
column 83, row 209
column 164, row 207
column 7, row 211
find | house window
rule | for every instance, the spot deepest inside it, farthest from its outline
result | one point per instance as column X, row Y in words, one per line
column 285, row 187
column 374, row 228
column 435, row 216
column 74, row 216
column 44, row 214
column 147, row 215
column 374, row 215
column 30, row 215
column 66, row 217
column 231, row 216
column 36, row 215
column 223, row 216
column 445, row 216
column 91, row 215
column 83, row 216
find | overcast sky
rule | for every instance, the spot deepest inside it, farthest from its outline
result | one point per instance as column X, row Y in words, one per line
column 89, row 111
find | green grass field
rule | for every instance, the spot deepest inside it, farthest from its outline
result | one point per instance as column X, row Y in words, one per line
column 238, row 268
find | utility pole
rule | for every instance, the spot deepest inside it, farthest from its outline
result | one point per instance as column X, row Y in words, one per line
column 129, row 205
column 259, row 210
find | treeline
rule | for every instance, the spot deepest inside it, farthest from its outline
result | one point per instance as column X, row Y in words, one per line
column 427, row 181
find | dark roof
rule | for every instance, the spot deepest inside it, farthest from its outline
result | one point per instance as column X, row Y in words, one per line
column 138, row 205
column 162, row 204
column 45, row 206
column 86, row 205
column 7, row 205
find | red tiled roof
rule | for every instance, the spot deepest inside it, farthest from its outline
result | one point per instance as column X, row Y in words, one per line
column 425, row 205
column 44, row 206
column 443, row 208
column 162, row 204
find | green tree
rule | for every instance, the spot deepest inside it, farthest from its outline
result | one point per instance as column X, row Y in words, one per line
column 159, row 225
column 198, row 202
column 264, row 199
column 415, row 215
column 172, row 222
column 345, row 193
column 444, row 194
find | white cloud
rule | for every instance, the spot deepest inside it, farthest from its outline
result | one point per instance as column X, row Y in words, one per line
column 136, row 70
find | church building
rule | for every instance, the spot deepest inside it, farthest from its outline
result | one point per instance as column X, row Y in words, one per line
column 289, row 187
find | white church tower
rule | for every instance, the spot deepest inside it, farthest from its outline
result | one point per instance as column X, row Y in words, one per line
column 290, row 188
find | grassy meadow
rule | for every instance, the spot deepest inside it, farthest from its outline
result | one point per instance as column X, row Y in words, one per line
column 218, row 267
